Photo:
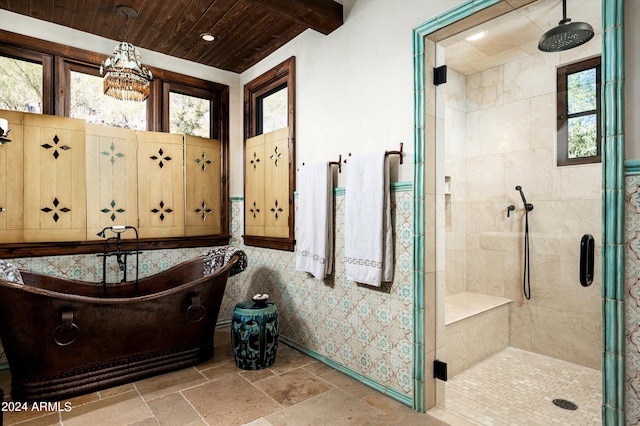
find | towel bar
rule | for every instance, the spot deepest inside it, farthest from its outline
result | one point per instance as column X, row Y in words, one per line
column 335, row 163
column 400, row 153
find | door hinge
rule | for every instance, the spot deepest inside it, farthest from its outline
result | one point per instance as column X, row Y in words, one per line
column 440, row 370
column 440, row 75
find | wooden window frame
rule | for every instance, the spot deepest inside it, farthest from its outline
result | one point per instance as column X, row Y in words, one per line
column 57, row 61
column 563, row 115
column 47, row 69
column 281, row 74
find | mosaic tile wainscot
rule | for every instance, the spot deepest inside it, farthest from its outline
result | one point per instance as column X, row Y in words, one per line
column 632, row 299
column 366, row 330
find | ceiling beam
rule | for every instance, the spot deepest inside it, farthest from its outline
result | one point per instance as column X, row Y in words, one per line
column 323, row 16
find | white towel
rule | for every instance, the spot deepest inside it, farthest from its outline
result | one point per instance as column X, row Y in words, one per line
column 368, row 246
column 315, row 220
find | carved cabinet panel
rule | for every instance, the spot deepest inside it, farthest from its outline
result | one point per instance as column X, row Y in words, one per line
column 160, row 185
column 54, row 178
column 11, row 181
column 267, row 185
column 276, row 179
column 254, row 208
column 203, row 186
column 111, row 178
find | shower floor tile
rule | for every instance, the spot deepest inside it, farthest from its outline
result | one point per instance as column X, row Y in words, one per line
column 516, row 387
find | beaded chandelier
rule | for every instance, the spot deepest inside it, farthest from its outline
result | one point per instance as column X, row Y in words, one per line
column 124, row 75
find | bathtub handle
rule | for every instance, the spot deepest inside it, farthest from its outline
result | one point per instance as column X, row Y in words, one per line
column 195, row 307
column 67, row 326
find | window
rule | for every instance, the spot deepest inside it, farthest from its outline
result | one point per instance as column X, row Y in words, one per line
column 269, row 172
column 60, row 80
column 272, row 110
column 22, row 83
column 189, row 115
column 90, row 103
column 579, row 113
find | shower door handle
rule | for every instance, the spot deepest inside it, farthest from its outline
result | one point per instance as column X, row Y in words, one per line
column 586, row 260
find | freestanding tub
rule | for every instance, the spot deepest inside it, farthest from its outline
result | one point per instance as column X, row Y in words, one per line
column 65, row 337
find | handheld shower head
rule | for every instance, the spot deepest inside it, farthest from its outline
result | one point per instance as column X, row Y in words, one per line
column 519, row 188
column 527, row 206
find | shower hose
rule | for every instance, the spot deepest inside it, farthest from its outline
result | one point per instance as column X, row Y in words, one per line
column 526, row 279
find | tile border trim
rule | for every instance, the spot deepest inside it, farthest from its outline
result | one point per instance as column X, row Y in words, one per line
column 632, row 167
column 392, row 393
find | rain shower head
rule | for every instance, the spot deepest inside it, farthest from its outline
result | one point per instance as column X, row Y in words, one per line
column 566, row 35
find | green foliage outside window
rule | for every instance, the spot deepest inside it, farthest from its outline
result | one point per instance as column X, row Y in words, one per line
column 20, row 85
column 189, row 115
column 582, row 99
column 90, row 103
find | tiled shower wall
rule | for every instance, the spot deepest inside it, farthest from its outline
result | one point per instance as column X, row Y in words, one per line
column 632, row 299
column 500, row 128
column 367, row 330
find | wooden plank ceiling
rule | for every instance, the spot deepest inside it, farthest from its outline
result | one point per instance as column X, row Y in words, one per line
column 245, row 31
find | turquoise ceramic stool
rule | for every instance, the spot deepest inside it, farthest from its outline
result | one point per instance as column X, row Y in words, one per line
column 254, row 334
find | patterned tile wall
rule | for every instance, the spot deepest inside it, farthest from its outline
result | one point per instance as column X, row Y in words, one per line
column 365, row 329
column 368, row 330
column 632, row 300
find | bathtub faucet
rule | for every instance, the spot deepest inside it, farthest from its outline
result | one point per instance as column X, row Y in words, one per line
column 121, row 255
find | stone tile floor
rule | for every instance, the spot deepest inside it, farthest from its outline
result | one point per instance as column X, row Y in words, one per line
column 516, row 387
column 296, row 390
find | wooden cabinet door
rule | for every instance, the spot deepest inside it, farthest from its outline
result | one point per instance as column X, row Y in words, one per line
column 111, row 178
column 160, row 185
column 11, row 181
column 54, row 179
column 254, row 200
column 203, row 186
column 276, row 183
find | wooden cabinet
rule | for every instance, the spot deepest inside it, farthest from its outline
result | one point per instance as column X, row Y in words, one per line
column 254, row 184
column 160, row 185
column 11, row 181
column 267, row 185
column 276, row 183
column 54, row 179
column 203, row 186
column 112, row 178
column 62, row 179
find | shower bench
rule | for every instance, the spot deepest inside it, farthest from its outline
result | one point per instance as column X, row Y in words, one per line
column 476, row 327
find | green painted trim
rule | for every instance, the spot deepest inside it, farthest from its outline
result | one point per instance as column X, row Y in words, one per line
column 392, row 393
column 613, row 326
column 418, row 223
column 402, row 186
column 237, row 198
column 632, row 167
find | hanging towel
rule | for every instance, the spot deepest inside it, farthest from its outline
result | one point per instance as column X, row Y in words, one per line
column 368, row 251
column 315, row 220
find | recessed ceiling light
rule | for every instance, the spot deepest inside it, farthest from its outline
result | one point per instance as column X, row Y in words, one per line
column 476, row 36
column 207, row 36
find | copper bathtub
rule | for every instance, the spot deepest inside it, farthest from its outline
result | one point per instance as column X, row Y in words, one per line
column 65, row 337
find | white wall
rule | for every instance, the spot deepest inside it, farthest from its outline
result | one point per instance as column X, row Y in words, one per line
column 355, row 86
